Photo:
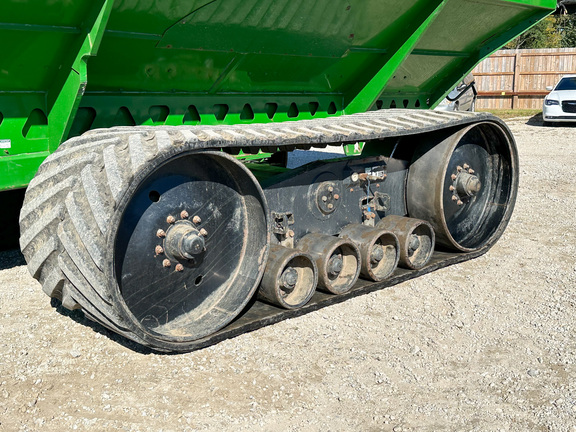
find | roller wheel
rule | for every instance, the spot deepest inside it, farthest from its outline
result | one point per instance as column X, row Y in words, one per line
column 163, row 245
column 465, row 186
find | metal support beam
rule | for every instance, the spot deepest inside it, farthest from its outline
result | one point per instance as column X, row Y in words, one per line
column 373, row 89
column 67, row 96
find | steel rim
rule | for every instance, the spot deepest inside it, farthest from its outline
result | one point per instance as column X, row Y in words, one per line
column 466, row 216
column 177, row 298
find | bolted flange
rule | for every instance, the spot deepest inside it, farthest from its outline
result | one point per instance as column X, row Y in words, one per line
column 327, row 197
column 465, row 185
column 183, row 241
column 468, row 184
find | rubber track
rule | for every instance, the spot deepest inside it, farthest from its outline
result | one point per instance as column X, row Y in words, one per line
column 68, row 205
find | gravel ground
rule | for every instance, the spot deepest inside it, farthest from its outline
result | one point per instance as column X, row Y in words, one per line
column 487, row 345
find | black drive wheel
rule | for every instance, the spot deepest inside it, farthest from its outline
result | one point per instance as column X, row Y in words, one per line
column 162, row 245
column 465, row 185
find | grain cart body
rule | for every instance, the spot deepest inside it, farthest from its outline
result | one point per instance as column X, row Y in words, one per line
column 142, row 214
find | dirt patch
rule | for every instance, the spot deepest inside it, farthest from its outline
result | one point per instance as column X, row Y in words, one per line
column 484, row 345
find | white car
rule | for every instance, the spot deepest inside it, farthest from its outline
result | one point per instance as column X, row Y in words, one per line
column 560, row 104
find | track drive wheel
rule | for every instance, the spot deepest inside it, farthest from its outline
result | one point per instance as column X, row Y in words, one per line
column 155, row 240
column 465, row 185
column 188, row 246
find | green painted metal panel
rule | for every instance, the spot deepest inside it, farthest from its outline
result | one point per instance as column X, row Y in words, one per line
column 69, row 66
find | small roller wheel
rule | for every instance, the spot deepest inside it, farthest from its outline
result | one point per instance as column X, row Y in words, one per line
column 379, row 250
column 338, row 261
column 416, row 239
column 465, row 185
column 290, row 278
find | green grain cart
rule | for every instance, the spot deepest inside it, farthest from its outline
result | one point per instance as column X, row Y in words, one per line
column 152, row 138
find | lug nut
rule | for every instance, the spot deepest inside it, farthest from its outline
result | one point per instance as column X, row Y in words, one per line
column 184, row 214
column 159, row 250
column 466, row 166
column 179, row 267
column 452, row 188
column 330, row 206
column 161, row 233
column 330, row 189
column 336, row 197
column 170, row 219
column 324, row 198
column 166, row 263
column 454, row 198
column 203, row 232
column 291, row 233
column 458, row 168
column 471, row 171
column 453, row 176
column 459, row 202
column 196, row 220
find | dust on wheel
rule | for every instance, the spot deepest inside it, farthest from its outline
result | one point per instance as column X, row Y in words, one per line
column 188, row 247
column 465, row 185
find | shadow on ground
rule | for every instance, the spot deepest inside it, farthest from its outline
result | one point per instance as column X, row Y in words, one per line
column 537, row 120
column 11, row 202
column 79, row 317
column 10, row 259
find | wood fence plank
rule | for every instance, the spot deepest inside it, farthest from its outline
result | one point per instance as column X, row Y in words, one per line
column 518, row 78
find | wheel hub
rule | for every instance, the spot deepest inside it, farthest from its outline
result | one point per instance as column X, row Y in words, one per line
column 335, row 265
column 465, row 184
column 377, row 254
column 289, row 279
column 413, row 245
column 183, row 241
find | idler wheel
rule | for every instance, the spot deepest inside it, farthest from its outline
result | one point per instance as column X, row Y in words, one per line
column 465, row 185
column 338, row 261
column 379, row 250
column 416, row 239
column 290, row 278
column 189, row 247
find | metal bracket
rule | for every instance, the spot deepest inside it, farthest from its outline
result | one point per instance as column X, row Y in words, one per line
column 68, row 91
column 373, row 89
column 282, row 222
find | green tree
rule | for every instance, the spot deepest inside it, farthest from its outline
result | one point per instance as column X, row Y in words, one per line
column 567, row 29
column 545, row 34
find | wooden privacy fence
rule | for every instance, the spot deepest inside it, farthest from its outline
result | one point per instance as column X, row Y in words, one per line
column 518, row 78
